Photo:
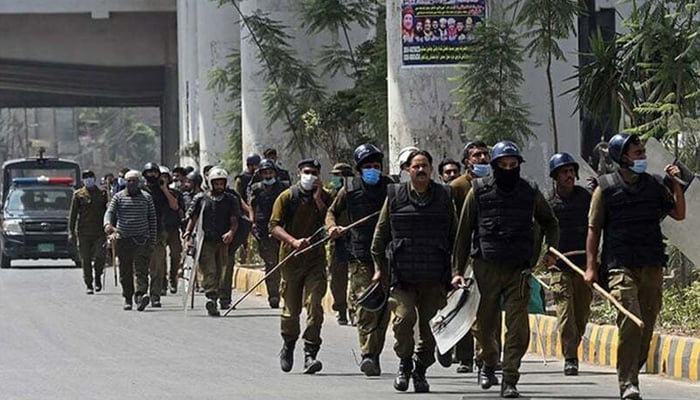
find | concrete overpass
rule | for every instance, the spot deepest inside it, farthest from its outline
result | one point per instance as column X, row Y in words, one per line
column 86, row 53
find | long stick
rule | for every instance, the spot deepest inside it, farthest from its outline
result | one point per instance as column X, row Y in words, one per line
column 342, row 232
column 600, row 290
column 279, row 264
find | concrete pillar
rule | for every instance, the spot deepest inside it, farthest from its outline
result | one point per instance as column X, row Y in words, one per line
column 421, row 109
column 258, row 134
column 187, row 73
column 206, row 35
column 170, row 138
column 217, row 33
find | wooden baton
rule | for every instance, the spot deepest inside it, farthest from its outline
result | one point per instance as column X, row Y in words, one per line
column 600, row 290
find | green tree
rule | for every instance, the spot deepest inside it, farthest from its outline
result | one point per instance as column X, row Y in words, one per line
column 489, row 86
column 548, row 21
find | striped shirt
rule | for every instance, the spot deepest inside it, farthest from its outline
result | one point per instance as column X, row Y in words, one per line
column 133, row 216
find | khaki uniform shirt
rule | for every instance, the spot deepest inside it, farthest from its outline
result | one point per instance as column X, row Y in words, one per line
column 87, row 211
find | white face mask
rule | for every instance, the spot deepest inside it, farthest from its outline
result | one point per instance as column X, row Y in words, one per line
column 307, row 181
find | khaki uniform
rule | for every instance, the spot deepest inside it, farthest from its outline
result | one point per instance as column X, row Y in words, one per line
column 501, row 282
column 411, row 302
column 371, row 326
column 640, row 291
column 573, row 299
column 87, row 211
column 338, row 266
column 304, row 279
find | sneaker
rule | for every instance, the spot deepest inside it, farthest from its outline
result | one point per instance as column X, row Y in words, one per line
column 127, row 306
column 211, row 308
column 89, row 290
column 98, row 284
column 369, row 366
column 631, row 392
column 173, row 287
column 311, row 364
column 571, row 367
column 509, row 391
column 142, row 302
column 155, row 303
column 463, row 368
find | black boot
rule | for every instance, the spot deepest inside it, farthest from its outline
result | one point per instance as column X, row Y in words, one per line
column 287, row 355
column 487, row 377
column 571, row 367
column 311, row 364
column 404, row 375
column 509, row 391
column 420, row 383
column 370, row 365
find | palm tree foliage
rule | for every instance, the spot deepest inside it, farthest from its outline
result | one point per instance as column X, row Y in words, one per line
column 489, row 86
column 648, row 76
column 546, row 22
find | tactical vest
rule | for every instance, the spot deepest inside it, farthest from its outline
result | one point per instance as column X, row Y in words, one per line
column 217, row 214
column 245, row 178
column 572, row 214
column 264, row 199
column 420, row 247
column 363, row 200
column 171, row 218
column 505, row 222
column 633, row 215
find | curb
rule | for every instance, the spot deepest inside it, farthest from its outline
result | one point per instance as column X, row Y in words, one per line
column 673, row 356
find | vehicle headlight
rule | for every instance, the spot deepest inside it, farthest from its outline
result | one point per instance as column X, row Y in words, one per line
column 12, row 226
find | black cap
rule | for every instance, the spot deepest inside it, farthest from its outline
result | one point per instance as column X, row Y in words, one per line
column 309, row 162
column 87, row 174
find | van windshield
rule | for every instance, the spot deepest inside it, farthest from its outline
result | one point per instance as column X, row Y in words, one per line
column 40, row 199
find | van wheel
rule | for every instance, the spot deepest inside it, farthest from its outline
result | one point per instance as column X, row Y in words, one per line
column 5, row 261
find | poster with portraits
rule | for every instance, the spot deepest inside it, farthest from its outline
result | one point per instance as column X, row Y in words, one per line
column 438, row 32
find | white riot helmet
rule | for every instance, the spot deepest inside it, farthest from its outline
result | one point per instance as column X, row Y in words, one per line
column 217, row 173
column 164, row 170
column 405, row 153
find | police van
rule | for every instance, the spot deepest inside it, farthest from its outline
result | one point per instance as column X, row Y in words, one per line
column 36, row 197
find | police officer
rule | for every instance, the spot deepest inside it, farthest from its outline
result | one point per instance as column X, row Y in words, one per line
column 87, row 211
column 163, row 199
column 476, row 159
column 298, row 212
column 417, row 263
column 262, row 197
column 365, row 196
column 339, row 256
column 171, row 226
column 131, row 212
column 404, row 153
column 219, row 224
column 240, row 185
column 282, row 174
column 628, row 206
column 192, row 186
column 497, row 222
column 572, row 296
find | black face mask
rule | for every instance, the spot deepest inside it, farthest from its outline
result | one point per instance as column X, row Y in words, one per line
column 506, row 179
column 132, row 187
column 151, row 180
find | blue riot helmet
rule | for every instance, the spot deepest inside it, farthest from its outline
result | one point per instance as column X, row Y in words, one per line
column 559, row 160
column 505, row 148
column 367, row 152
column 618, row 144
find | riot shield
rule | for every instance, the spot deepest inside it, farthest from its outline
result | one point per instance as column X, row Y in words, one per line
column 454, row 320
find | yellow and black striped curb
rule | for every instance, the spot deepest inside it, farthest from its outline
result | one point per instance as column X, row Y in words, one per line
column 673, row 356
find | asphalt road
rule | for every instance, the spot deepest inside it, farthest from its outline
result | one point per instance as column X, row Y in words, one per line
column 56, row 342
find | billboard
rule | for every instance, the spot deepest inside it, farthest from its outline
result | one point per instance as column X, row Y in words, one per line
column 438, row 32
